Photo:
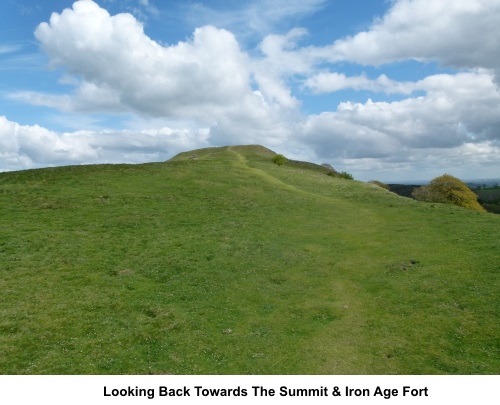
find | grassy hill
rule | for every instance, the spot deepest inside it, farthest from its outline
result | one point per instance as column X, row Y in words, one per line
column 220, row 262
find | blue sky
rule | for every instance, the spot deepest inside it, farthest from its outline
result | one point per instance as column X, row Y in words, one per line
column 394, row 90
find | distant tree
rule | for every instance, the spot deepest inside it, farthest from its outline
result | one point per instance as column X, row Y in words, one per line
column 448, row 190
column 279, row 160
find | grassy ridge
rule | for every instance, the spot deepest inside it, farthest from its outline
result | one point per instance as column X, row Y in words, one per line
column 219, row 262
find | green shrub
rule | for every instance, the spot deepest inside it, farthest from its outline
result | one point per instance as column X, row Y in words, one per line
column 345, row 175
column 447, row 189
column 279, row 160
column 340, row 175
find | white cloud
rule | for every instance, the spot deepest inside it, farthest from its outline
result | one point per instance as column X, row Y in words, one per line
column 456, row 109
column 326, row 82
column 462, row 34
column 119, row 69
column 114, row 57
column 280, row 52
column 457, row 122
column 279, row 62
column 24, row 146
column 88, row 97
column 467, row 161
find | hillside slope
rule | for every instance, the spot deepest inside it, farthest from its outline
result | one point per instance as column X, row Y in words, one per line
column 220, row 262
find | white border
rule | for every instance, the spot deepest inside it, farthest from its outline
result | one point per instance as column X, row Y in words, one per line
column 89, row 390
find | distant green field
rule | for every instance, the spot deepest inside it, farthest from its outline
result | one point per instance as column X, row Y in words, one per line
column 221, row 262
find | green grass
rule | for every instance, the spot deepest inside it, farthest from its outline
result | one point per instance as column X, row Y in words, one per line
column 221, row 262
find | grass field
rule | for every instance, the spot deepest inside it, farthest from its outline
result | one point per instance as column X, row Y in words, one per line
column 220, row 262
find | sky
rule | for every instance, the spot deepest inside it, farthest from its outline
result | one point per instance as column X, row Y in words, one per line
column 388, row 90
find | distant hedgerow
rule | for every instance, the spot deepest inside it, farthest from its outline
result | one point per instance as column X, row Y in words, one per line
column 279, row 160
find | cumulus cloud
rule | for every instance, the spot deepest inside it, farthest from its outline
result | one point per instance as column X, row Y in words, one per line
column 206, row 79
column 458, row 118
column 326, row 82
column 466, row 161
column 113, row 54
column 460, row 34
column 25, row 146
column 279, row 62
